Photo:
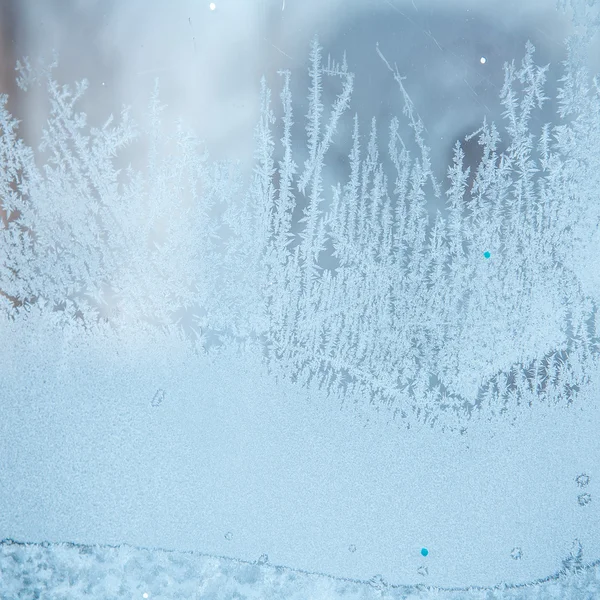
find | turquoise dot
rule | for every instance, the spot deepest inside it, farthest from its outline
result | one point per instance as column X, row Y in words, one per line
column 424, row 551
column 486, row 254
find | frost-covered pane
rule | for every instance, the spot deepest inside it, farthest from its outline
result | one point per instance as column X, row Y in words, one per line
column 325, row 295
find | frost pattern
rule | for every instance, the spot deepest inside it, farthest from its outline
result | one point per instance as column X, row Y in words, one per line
column 158, row 398
column 490, row 308
column 582, row 480
column 100, row 571
column 584, row 499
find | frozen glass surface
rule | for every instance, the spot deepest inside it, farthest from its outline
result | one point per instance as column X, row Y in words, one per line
column 299, row 299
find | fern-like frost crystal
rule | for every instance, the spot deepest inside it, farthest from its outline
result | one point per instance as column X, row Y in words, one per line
column 489, row 307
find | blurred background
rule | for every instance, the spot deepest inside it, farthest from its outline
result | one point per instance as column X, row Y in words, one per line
column 209, row 58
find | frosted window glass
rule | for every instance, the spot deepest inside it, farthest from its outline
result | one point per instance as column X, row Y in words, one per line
column 299, row 299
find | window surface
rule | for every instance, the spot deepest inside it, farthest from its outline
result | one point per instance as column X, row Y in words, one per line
column 299, row 299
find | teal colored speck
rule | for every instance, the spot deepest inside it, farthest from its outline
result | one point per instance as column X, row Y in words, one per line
column 486, row 254
column 424, row 551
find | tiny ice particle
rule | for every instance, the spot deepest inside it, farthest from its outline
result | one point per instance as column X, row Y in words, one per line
column 516, row 553
column 378, row 582
column 584, row 499
column 158, row 398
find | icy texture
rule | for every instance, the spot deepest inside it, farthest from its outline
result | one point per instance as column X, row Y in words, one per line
column 489, row 311
column 74, row 570
column 491, row 306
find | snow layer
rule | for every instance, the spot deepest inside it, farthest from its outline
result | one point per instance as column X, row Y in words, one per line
column 57, row 571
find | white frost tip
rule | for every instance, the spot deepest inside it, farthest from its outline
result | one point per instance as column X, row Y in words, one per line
column 482, row 60
column 212, row 6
